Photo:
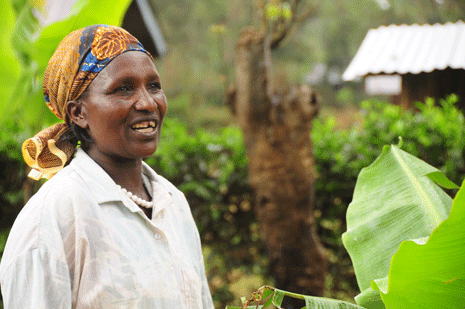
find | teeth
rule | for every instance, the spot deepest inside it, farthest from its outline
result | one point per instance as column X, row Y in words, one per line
column 144, row 126
column 146, row 130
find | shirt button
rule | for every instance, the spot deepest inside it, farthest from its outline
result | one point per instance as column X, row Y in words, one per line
column 157, row 236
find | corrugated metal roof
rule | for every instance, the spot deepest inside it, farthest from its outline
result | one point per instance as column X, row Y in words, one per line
column 409, row 49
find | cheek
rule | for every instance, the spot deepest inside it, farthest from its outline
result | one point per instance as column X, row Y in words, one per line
column 162, row 105
column 107, row 124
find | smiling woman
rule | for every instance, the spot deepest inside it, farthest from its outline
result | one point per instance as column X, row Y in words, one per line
column 105, row 231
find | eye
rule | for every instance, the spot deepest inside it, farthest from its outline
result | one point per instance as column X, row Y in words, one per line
column 154, row 86
column 123, row 88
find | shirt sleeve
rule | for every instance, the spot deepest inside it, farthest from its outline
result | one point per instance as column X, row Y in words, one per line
column 207, row 302
column 36, row 279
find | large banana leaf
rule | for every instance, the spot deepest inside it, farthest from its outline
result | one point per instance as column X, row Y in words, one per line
column 432, row 274
column 395, row 199
column 35, row 44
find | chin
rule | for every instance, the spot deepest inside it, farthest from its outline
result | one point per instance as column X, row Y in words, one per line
column 147, row 152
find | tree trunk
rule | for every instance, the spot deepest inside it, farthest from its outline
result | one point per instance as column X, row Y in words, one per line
column 276, row 127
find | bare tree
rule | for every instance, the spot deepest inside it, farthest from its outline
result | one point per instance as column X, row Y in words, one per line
column 276, row 123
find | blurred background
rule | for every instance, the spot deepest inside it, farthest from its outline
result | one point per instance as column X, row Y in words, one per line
column 202, row 150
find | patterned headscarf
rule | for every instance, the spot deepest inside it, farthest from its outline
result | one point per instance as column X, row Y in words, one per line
column 76, row 62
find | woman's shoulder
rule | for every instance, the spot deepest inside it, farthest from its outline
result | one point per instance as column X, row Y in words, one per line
column 54, row 198
column 41, row 222
column 65, row 186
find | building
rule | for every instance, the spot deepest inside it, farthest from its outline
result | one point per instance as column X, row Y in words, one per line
column 140, row 21
column 429, row 58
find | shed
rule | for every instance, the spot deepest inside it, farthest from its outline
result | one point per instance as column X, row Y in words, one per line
column 140, row 21
column 429, row 58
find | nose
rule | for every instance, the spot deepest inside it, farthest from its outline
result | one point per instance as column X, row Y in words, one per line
column 145, row 102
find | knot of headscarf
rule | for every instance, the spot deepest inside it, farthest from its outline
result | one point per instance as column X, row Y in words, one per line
column 76, row 62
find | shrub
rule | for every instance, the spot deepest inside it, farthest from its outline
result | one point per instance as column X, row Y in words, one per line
column 12, row 134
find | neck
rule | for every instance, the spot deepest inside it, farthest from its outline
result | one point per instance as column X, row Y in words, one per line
column 125, row 172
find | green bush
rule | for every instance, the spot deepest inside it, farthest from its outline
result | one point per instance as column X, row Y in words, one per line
column 12, row 173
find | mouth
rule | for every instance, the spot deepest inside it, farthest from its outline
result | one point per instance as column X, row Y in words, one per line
column 148, row 126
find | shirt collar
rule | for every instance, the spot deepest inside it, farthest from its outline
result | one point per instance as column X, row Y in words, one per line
column 99, row 182
column 104, row 189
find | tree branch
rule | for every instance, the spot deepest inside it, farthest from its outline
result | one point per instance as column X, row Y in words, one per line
column 295, row 20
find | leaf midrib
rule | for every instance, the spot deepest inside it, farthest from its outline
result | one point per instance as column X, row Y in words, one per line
column 423, row 196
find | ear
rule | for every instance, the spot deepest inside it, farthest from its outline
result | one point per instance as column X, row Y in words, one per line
column 75, row 110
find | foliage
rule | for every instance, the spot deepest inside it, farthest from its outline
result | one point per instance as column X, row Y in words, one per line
column 395, row 199
column 430, row 274
column 10, row 65
column 395, row 202
column 278, row 10
column 433, row 133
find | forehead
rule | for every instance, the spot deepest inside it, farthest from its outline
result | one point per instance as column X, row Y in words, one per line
column 134, row 63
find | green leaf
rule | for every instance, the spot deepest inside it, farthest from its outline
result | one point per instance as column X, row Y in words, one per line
column 272, row 11
column 275, row 11
column 432, row 274
column 312, row 302
column 11, row 67
column 394, row 200
column 278, row 298
column 441, row 179
column 286, row 10
column 370, row 299
column 267, row 294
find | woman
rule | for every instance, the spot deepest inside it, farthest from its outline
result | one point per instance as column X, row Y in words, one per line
column 105, row 231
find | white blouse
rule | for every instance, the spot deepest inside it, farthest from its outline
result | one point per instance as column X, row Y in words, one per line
column 82, row 243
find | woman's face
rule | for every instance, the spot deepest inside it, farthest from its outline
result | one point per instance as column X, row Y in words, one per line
column 123, row 109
